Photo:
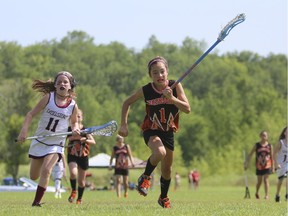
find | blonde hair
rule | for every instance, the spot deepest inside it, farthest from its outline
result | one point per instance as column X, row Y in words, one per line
column 119, row 138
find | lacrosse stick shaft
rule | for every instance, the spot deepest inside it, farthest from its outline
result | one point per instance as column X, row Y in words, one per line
column 49, row 135
column 196, row 63
column 245, row 173
column 225, row 31
column 103, row 130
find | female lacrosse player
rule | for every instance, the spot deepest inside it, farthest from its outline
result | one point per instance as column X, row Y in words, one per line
column 163, row 106
column 281, row 162
column 78, row 157
column 58, row 172
column 264, row 162
column 59, row 109
column 121, row 152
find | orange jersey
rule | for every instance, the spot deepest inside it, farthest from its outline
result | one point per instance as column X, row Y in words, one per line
column 263, row 156
column 75, row 147
column 121, row 154
column 160, row 113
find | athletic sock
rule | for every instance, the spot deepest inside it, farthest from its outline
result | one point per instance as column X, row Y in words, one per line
column 165, row 184
column 80, row 192
column 39, row 194
column 57, row 184
column 73, row 184
column 149, row 168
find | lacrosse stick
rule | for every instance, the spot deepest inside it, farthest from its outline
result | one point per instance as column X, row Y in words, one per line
column 103, row 130
column 247, row 193
column 224, row 32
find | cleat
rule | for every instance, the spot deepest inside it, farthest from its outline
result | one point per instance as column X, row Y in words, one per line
column 165, row 202
column 37, row 204
column 126, row 195
column 72, row 196
column 143, row 184
column 257, row 196
column 277, row 198
column 79, row 201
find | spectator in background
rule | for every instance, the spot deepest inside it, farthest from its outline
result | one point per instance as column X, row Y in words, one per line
column 190, row 181
column 177, row 179
column 195, row 178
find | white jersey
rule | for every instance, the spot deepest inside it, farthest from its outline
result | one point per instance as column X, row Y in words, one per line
column 54, row 119
column 282, row 154
column 282, row 159
column 58, row 170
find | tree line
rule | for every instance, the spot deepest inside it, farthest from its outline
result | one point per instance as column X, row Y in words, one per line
column 233, row 96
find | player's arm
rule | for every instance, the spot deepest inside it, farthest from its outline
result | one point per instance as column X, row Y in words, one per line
column 111, row 159
column 181, row 101
column 275, row 156
column 74, row 121
column 123, row 130
column 249, row 157
column 130, row 155
column 30, row 115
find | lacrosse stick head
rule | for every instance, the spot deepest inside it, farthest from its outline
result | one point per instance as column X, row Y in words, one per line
column 226, row 30
column 104, row 130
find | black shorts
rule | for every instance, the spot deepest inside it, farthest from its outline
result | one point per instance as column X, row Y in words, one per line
column 83, row 162
column 167, row 137
column 123, row 172
column 263, row 172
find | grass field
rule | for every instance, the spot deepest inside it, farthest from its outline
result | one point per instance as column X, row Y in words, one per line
column 204, row 202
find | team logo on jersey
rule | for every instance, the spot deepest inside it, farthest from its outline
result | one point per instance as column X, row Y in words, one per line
column 57, row 114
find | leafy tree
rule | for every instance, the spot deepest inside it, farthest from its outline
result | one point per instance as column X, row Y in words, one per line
column 233, row 97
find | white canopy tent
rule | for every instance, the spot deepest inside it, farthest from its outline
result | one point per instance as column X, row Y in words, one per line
column 102, row 160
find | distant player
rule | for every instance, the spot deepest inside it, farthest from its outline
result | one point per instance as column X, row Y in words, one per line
column 58, row 172
column 264, row 162
column 281, row 162
column 122, row 153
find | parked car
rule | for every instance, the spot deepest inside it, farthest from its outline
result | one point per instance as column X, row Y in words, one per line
column 26, row 184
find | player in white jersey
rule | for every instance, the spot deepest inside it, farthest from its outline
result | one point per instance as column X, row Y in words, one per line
column 59, row 110
column 58, row 172
column 281, row 162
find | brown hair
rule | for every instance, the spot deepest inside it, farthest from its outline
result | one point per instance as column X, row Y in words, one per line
column 48, row 86
column 155, row 60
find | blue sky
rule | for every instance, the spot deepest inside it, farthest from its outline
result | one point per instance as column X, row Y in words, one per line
column 133, row 22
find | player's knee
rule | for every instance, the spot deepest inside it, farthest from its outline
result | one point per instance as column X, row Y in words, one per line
column 160, row 153
column 34, row 177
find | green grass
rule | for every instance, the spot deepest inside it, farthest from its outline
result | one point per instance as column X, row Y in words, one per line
column 206, row 201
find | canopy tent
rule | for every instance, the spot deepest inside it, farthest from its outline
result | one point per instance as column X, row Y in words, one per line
column 102, row 160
